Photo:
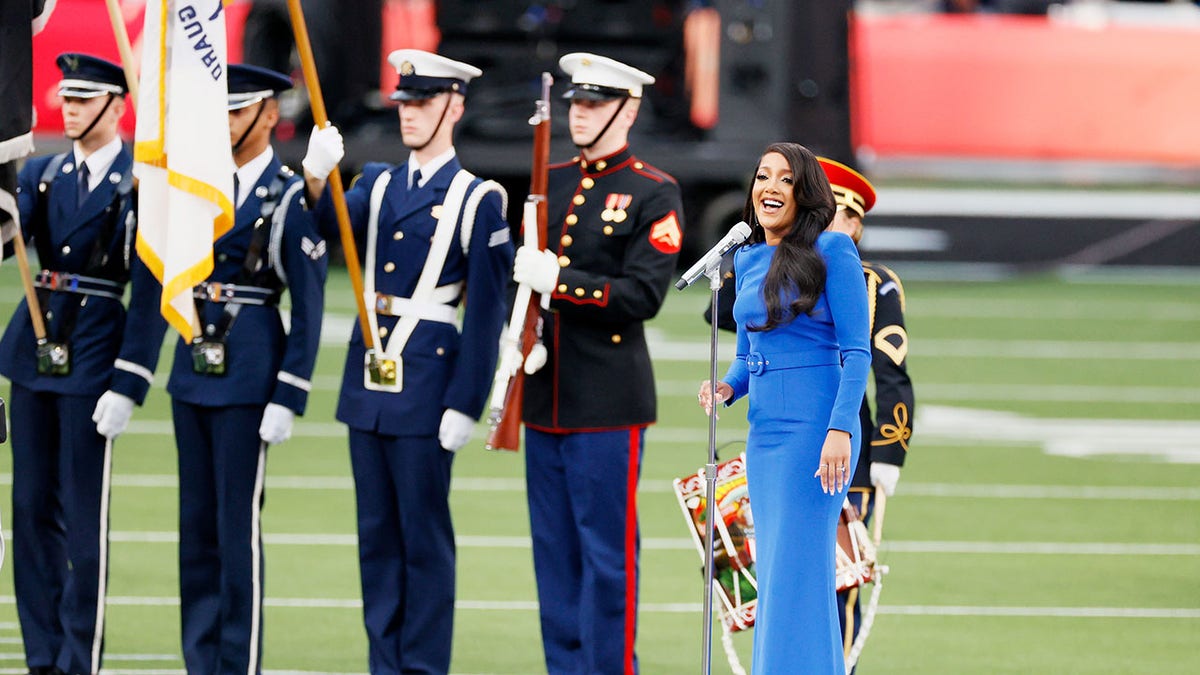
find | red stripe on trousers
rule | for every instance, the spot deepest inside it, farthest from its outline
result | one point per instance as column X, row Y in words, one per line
column 631, row 482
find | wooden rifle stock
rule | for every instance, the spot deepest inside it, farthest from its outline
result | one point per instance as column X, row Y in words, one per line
column 508, row 390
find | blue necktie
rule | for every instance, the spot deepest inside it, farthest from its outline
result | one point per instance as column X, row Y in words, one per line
column 81, row 187
column 416, row 182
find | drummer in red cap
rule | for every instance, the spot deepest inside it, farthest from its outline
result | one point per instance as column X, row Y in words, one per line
column 885, row 432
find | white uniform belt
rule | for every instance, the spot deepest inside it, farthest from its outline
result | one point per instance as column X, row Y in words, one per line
column 433, row 309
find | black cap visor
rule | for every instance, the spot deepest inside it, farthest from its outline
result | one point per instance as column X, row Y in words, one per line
column 595, row 92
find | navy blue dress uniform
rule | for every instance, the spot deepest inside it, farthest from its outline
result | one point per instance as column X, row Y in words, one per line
column 616, row 224
column 222, row 383
column 83, row 228
column 435, row 239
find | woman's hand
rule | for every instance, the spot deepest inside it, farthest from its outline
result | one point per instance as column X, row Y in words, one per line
column 706, row 397
column 834, row 469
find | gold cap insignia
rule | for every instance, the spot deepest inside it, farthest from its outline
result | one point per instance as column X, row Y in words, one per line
column 407, row 68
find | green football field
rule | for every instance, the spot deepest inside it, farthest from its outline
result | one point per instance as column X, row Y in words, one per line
column 1048, row 519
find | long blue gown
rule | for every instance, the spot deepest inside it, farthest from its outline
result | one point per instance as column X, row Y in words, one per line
column 803, row 378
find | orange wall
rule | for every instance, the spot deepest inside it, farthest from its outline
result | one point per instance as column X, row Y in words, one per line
column 1024, row 87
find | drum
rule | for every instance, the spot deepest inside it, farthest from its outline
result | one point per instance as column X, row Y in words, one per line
column 735, row 584
column 855, row 550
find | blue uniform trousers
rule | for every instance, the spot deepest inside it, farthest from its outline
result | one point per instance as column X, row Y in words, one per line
column 405, row 550
column 222, row 463
column 61, row 470
column 582, row 491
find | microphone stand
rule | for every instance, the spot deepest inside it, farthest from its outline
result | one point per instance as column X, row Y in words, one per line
column 713, row 272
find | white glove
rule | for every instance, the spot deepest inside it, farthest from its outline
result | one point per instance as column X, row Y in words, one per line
column 325, row 150
column 455, row 430
column 884, row 476
column 112, row 414
column 536, row 358
column 536, row 269
column 276, row 424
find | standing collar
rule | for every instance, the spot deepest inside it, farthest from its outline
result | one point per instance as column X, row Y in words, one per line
column 601, row 164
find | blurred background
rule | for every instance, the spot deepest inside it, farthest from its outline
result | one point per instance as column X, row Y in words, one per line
column 1017, row 134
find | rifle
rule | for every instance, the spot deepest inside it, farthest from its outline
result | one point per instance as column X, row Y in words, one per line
column 508, row 387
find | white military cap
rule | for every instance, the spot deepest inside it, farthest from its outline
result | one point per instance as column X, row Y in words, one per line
column 599, row 78
column 425, row 75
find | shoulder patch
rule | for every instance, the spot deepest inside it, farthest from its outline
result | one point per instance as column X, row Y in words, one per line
column 499, row 237
column 892, row 341
column 311, row 249
column 666, row 235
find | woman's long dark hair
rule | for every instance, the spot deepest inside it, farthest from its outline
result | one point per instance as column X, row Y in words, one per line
column 797, row 272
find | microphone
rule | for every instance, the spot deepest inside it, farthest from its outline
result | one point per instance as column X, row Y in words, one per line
column 737, row 234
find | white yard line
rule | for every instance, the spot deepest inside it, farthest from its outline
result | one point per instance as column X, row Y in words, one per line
column 690, row 608
column 946, row 392
column 689, row 351
column 906, row 489
column 687, row 544
column 1154, row 440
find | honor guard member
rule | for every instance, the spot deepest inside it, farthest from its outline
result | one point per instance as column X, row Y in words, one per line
column 74, row 391
column 436, row 242
column 237, row 387
column 614, row 236
column 886, row 432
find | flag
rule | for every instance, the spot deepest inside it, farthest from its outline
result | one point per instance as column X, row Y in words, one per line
column 182, row 152
column 19, row 21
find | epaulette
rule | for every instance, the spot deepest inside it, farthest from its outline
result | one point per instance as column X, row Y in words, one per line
column 651, row 171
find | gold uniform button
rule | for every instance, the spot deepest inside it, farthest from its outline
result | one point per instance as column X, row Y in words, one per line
column 597, row 294
column 572, row 219
column 388, row 267
column 440, row 351
column 608, row 229
column 601, row 165
column 638, row 165
column 383, row 331
column 567, row 240
column 563, row 261
column 398, row 235
column 587, row 183
column 616, row 339
column 579, row 200
column 562, row 288
column 579, row 292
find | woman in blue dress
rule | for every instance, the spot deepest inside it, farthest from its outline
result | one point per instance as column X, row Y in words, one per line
column 803, row 358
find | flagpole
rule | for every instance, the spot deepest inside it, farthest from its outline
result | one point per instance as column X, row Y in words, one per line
column 317, row 103
column 122, row 37
column 35, row 309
